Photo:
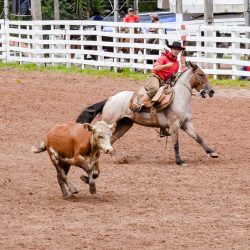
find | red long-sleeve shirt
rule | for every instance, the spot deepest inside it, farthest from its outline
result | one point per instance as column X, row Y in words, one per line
column 165, row 58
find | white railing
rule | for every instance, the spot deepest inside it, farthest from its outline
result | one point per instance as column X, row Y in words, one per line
column 99, row 45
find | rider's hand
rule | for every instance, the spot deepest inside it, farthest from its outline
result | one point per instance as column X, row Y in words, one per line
column 169, row 65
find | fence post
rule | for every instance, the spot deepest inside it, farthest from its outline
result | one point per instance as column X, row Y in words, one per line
column 235, row 57
column 198, row 45
column 132, row 50
column 5, row 43
column 116, row 49
column 37, row 37
column 67, row 40
column 215, row 65
column 82, row 47
column 99, row 47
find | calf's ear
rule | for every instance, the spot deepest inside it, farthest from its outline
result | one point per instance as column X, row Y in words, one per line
column 88, row 126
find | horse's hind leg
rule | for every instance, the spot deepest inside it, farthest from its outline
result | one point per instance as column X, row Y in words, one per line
column 121, row 128
column 189, row 129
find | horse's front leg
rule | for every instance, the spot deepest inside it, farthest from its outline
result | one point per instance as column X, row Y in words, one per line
column 189, row 129
column 175, row 141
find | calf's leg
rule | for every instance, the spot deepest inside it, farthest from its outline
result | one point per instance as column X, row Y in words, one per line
column 92, row 187
column 62, row 177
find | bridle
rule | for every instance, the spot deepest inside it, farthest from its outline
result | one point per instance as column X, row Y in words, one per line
column 198, row 77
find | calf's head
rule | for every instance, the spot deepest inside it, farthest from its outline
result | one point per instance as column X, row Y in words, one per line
column 101, row 135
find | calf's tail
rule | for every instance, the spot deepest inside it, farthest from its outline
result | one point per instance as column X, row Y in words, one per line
column 40, row 149
column 88, row 114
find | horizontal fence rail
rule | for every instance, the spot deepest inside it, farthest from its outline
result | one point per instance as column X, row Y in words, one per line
column 219, row 50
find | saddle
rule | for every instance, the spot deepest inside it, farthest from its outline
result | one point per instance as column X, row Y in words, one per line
column 159, row 102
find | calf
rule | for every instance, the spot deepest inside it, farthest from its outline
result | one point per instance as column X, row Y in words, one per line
column 79, row 145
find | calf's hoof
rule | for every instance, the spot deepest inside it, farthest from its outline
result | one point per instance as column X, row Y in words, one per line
column 92, row 188
column 85, row 179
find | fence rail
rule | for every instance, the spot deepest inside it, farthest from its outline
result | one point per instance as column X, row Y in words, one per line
column 219, row 50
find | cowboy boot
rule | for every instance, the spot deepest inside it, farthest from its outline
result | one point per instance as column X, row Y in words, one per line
column 140, row 103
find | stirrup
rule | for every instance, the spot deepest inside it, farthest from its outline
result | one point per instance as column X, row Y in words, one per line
column 164, row 132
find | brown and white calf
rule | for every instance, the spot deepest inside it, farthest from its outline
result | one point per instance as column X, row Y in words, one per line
column 79, row 145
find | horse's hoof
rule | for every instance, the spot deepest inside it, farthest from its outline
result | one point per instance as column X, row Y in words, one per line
column 214, row 155
column 69, row 197
column 182, row 163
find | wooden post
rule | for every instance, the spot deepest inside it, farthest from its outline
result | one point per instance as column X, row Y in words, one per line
column 179, row 16
column 36, row 10
column 56, row 10
column 209, row 20
column 116, row 10
column 247, row 19
column 208, row 12
column 6, row 9
column 136, row 6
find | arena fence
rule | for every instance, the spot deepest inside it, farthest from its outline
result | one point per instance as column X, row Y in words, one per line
column 218, row 49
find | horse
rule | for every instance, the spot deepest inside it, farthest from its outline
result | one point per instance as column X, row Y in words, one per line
column 177, row 115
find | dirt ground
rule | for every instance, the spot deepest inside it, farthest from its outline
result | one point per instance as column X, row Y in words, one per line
column 149, row 203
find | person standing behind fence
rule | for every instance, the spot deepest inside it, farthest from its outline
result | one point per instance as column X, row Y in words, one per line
column 131, row 17
column 154, row 19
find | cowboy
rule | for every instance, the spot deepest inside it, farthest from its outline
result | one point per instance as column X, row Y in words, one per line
column 164, row 68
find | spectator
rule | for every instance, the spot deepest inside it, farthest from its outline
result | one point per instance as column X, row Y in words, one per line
column 154, row 19
column 131, row 17
column 96, row 17
column 246, row 68
column 122, row 14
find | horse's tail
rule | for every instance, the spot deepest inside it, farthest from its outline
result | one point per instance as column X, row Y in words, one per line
column 40, row 149
column 91, row 112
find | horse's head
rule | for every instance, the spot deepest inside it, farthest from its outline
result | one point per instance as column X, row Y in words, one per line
column 200, row 82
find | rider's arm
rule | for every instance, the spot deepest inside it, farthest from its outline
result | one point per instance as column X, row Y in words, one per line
column 163, row 66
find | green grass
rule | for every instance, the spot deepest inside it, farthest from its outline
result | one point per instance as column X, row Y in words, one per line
column 229, row 83
column 125, row 73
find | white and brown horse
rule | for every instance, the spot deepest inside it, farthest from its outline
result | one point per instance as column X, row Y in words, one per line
column 177, row 115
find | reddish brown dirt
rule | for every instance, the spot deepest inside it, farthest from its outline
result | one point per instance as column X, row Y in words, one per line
column 150, row 203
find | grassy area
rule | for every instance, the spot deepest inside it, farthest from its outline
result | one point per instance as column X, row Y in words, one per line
column 125, row 73
column 227, row 83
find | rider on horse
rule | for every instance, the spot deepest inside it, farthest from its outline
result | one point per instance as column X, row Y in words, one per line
column 164, row 68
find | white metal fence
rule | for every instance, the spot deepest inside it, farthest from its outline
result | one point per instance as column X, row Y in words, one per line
column 219, row 50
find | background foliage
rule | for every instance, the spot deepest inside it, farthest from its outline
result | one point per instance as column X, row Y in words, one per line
column 83, row 9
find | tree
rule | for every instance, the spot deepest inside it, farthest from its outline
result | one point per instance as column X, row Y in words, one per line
column 84, row 9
